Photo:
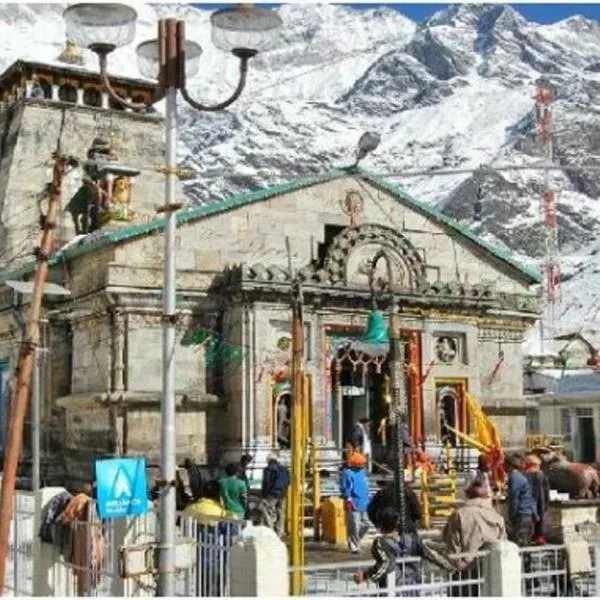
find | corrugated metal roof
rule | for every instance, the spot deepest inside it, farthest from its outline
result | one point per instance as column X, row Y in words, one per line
column 102, row 238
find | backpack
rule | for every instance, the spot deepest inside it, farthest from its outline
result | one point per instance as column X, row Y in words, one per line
column 52, row 510
column 282, row 480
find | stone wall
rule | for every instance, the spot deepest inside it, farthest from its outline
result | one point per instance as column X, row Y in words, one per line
column 256, row 233
column 30, row 131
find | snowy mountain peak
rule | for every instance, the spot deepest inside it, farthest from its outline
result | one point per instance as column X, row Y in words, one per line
column 479, row 16
column 448, row 96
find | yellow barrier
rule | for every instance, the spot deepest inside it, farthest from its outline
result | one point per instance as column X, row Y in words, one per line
column 334, row 521
column 439, row 494
column 538, row 440
column 316, row 493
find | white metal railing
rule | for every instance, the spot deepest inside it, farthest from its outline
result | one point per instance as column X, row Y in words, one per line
column 412, row 577
column 546, row 570
column 19, row 567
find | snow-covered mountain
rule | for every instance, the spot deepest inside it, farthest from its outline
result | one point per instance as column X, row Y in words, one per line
column 453, row 93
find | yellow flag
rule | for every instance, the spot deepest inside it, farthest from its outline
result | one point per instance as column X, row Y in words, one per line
column 484, row 429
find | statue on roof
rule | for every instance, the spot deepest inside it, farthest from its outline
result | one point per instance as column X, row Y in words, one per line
column 71, row 54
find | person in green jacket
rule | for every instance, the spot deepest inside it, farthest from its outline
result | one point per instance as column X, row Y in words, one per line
column 234, row 492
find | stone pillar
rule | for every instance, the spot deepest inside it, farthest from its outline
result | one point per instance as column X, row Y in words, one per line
column 259, row 567
column 109, row 177
column 596, row 414
column 119, row 352
column 127, row 108
column 502, row 571
column 28, row 88
column 105, row 99
column 80, row 92
column 55, row 89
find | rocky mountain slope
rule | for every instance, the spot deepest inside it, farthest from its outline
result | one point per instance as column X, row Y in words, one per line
column 449, row 96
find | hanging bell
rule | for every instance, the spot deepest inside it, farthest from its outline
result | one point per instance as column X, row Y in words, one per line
column 377, row 330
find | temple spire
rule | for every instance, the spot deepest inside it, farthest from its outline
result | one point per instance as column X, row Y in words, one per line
column 71, row 54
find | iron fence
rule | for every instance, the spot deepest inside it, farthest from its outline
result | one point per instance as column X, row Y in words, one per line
column 560, row 570
column 19, row 572
column 210, row 572
column 413, row 577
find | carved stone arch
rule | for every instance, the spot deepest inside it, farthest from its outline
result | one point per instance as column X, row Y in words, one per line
column 356, row 251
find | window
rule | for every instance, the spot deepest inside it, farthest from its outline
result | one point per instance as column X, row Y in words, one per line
column 92, row 97
column 565, row 423
column 532, row 421
column 67, row 93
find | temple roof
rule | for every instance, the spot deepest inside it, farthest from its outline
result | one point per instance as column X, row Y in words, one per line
column 103, row 238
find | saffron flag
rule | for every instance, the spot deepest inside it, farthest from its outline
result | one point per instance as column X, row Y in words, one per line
column 486, row 433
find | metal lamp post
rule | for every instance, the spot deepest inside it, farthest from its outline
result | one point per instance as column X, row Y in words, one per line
column 380, row 340
column 243, row 31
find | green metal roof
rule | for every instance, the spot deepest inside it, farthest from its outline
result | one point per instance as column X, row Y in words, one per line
column 103, row 238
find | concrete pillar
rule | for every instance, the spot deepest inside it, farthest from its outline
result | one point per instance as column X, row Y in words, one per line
column 502, row 571
column 80, row 92
column 259, row 567
column 55, row 89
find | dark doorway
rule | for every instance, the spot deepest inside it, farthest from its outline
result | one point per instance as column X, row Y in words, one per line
column 447, row 416
column 283, row 421
column 587, row 439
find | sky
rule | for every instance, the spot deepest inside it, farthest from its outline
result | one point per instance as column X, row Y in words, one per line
column 540, row 13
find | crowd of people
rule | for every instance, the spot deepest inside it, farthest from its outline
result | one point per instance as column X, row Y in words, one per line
column 471, row 526
column 211, row 500
column 468, row 529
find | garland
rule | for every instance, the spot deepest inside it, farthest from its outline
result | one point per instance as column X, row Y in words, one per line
column 216, row 350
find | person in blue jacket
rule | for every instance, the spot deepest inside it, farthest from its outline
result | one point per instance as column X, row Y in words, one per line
column 354, row 488
column 522, row 509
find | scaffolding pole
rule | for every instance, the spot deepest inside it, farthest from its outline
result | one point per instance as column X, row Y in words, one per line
column 27, row 353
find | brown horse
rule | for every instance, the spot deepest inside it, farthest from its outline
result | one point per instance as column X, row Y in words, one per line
column 579, row 480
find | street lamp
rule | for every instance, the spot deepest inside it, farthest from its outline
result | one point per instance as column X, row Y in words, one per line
column 368, row 142
column 243, row 31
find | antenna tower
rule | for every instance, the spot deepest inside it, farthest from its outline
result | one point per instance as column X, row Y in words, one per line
column 544, row 100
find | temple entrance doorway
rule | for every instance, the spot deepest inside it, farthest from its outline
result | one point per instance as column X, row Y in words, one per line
column 360, row 392
column 361, row 388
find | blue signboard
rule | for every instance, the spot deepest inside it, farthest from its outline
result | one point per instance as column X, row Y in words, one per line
column 122, row 487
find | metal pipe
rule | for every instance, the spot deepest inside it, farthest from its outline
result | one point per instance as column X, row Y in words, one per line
column 297, row 488
column 35, row 421
column 397, row 417
column 244, row 364
column 252, row 413
column 166, row 580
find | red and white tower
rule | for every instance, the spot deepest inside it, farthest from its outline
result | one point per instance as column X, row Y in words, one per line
column 544, row 100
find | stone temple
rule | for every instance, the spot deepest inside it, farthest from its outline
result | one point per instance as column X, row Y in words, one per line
column 353, row 239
